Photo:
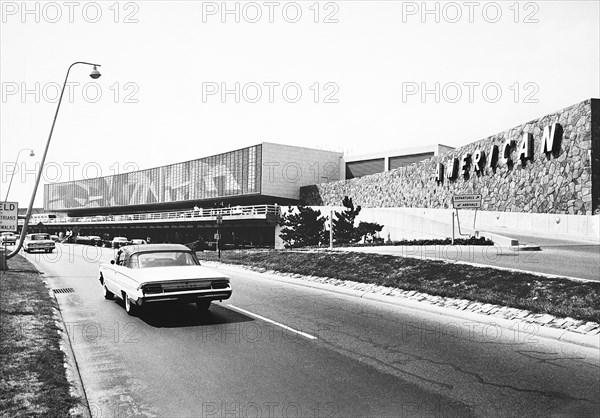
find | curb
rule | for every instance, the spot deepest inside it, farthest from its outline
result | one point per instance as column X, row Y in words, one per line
column 558, row 334
column 526, row 247
column 71, row 368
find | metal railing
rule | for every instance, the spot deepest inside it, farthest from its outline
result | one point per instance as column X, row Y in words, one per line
column 207, row 214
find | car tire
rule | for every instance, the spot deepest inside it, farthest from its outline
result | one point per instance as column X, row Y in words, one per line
column 202, row 305
column 107, row 293
column 129, row 307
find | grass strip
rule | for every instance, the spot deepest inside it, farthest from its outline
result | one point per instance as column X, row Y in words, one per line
column 33, row 380
column 555, row 296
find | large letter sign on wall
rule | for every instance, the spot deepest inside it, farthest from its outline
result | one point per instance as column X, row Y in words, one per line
column 478, row 159
column 493, row 156
column 550, row 143
column 439, row 177
column 506, row 148
column 464, row 164
column 549, row 139
column 453, row 163
column 525, row 149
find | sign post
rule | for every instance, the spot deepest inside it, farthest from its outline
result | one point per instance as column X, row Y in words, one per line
column 218, row 235
column 465, row 201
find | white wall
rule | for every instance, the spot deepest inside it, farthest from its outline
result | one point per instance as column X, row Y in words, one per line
column 287, row 168
column 418, row 223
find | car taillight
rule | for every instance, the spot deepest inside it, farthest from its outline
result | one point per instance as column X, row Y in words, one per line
column 152, row 289
column 221, row 284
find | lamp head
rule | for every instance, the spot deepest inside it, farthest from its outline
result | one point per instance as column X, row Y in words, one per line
column 95, row 74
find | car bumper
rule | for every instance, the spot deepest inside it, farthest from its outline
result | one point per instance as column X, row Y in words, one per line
column 45, row 248
column 186, row 297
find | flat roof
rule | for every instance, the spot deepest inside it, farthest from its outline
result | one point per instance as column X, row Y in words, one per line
column 398, row 152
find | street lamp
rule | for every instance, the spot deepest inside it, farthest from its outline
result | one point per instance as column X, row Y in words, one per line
column 95, row 74
column 31, row 154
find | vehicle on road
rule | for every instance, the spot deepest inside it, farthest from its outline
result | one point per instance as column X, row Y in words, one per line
column 137, row 242
column 8, row 238
column 54, row 238
column 118, row 242
column 38, row 242
column 93, row 240
column 140, row 275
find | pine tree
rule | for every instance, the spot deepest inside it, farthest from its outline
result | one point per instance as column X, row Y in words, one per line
column 301, row 228
column 367, row 229
column 343, row 224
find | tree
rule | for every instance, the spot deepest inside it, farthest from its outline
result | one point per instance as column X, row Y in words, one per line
column 343, row 224
column 302, row 227
column 367, row 230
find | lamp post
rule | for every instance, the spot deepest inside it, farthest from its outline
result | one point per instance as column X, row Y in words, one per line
column 95, row 74
column 12, row 176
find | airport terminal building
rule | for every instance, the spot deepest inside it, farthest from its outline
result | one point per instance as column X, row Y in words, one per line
column 543, row 175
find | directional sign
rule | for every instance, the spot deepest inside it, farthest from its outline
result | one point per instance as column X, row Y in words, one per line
column 9, row 212
column 467, row 205
column 466, row 197
column 466, row 201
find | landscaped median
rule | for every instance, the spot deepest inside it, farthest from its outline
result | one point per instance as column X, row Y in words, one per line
column 559, row 297
column 33, row 378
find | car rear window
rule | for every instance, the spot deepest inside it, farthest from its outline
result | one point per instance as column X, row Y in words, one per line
column 40, row 237
column 163, row 259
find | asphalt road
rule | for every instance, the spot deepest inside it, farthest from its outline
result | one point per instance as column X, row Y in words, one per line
column 339, row 355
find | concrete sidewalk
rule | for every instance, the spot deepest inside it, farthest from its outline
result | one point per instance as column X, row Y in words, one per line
column 572, row 258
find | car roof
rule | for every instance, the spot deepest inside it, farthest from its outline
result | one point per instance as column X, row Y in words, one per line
column 128, row 250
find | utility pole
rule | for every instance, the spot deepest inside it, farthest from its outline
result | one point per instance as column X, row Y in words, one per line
column 331, row 229
column 219, row 222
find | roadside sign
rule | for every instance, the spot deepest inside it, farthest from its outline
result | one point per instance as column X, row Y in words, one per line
column 466, row 201
column 466, row 197
column 219, row 219
column 467, row 205
column 9, row 212
column 217, row 237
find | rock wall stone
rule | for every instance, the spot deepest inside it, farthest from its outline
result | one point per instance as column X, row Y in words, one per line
column 565, row 181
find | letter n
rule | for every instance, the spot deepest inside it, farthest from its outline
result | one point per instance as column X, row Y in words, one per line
column 550, row 138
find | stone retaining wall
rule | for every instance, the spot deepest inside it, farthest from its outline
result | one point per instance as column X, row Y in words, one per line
column 565, row 181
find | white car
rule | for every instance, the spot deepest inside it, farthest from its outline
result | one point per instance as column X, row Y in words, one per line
column 8, row 238
column 119, row 242
column 144, row 274
column 38, row 242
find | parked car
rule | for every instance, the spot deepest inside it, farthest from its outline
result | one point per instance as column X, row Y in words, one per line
column 140, row 275
column 38, row 242
column 54, row 238
column 8, row 238
column 95, row 240
column 118, row 242
column 138, row 242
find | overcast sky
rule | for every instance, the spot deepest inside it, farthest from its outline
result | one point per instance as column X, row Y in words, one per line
column 343, row 75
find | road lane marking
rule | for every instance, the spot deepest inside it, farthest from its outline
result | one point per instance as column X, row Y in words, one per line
column 270, row 321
